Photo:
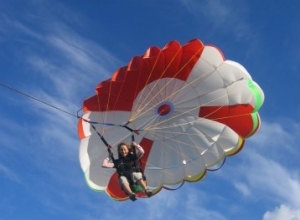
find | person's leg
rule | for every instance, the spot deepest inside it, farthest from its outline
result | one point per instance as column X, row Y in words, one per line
column 138, row 177
column 126, row 187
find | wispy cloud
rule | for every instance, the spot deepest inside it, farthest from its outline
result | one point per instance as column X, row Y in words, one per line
column 282, row 212
column 222, row 16
column 243, row 188
column 8, row 173
column 268, row 177
column 54, row 51
column 262, row 174
column 72, row 63
column 65, row 68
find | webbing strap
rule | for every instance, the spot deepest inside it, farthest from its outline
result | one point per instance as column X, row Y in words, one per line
column 92, row 123
column 101, row 137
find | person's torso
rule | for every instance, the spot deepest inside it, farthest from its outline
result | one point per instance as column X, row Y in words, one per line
column 126, row 164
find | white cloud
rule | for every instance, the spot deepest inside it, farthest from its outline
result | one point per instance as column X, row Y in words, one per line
column 73, row 64
column 9, row 173
column 243, row 188
column 266, row 171
column 11, row 24
column 196, row 208
column 54, row 51
column 66, row 69
column 268, row 176
column 268, row 163
column 222, row 16
column 273, row 135
column 185, row 203
column 282, row 213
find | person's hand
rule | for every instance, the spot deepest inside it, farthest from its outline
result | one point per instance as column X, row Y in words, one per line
column 134, row 143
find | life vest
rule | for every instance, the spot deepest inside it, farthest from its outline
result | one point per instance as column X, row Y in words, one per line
column 127, row 165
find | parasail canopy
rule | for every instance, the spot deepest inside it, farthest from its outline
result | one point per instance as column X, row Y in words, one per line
column 187, row 106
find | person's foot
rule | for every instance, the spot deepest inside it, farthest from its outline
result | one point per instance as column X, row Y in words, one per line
column 132, row 197
column 148, row 192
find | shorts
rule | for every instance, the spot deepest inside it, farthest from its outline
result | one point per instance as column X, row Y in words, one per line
column 135, row 176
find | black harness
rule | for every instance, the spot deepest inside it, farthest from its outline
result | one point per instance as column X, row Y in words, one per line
column 127, row 165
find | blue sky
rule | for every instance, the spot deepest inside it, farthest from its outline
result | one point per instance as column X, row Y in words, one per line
column 58, row 51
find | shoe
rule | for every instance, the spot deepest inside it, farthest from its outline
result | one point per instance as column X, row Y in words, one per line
column 132, row 197
column 148, row 192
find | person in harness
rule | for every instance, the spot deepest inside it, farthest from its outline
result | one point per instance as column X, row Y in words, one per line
column 127, row 166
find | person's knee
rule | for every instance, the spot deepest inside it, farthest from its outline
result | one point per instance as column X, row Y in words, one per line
column 123, row 180
column 137, row 176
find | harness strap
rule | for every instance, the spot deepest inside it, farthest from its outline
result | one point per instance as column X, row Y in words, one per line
column 104, row 141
